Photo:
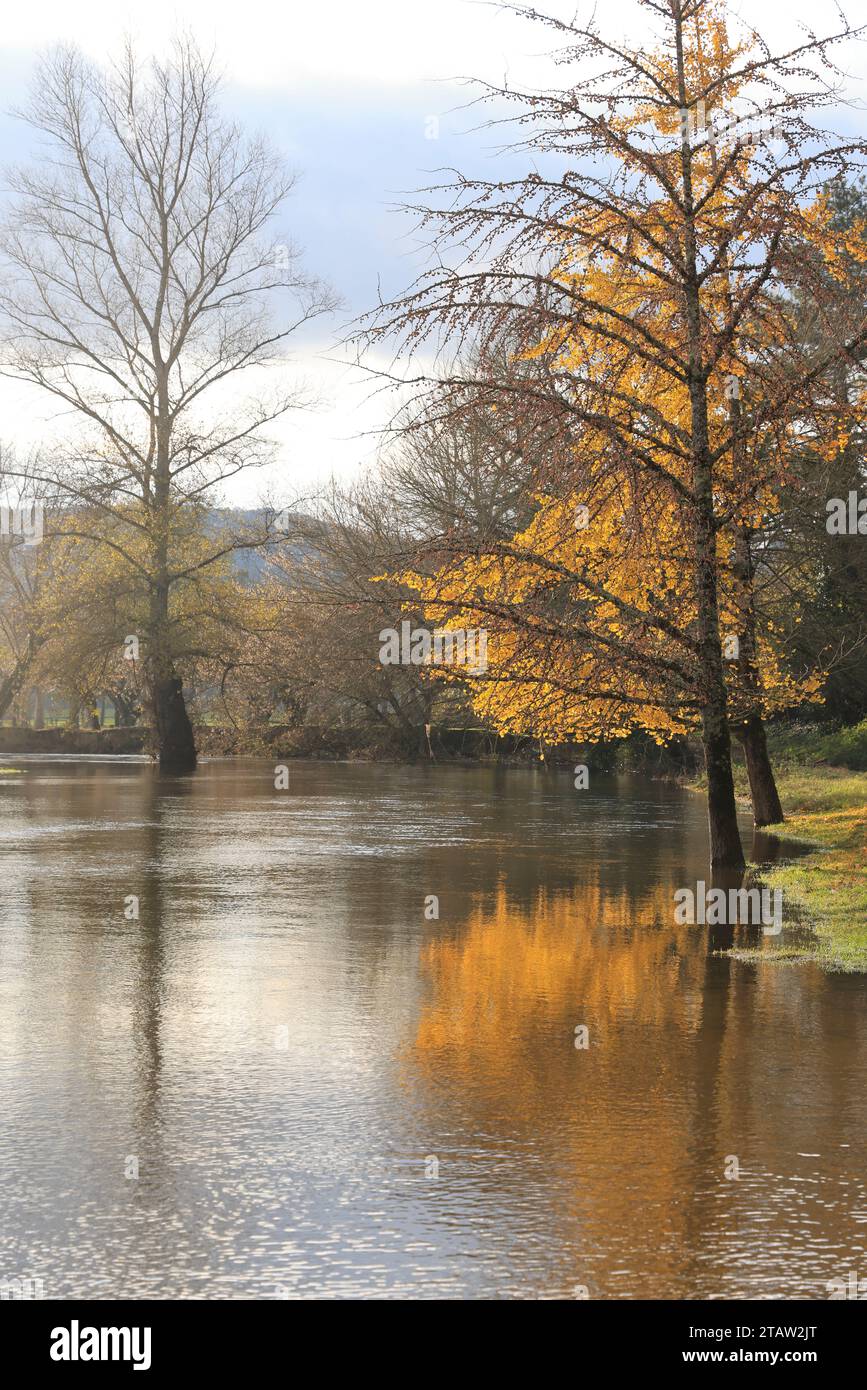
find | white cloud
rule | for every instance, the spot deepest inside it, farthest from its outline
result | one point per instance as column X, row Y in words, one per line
column 270, row 44
column 299, row 59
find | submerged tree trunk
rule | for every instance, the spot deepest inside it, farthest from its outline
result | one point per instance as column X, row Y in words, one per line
column 767, row 808
column 173, row 732
column 175, row 742
column 176, row 745
column 726, row 850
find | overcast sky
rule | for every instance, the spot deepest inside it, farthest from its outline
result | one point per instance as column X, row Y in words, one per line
column 345, row 89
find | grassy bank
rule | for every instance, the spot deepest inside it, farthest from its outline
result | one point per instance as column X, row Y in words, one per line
column 826, row 808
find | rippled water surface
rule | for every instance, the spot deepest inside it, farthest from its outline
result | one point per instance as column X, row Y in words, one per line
column 330, row 1094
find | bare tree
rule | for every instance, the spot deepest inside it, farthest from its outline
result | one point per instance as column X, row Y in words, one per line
column 140, row 287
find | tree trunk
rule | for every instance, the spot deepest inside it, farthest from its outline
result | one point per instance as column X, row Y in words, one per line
column 176, row 745
column 767, row 808
column 124, row 711
column 750, row 729
column 726, row 850
column 10, row 687
column 175, row 741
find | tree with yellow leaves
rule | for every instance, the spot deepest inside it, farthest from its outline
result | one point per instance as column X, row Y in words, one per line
column 591, row 618
column 645, row 263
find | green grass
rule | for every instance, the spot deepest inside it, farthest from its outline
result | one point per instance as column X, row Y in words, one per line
column 821, row 775
column 827, row 809
column 811, row 746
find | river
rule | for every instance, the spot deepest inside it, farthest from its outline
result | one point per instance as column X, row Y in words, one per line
column 245, row 1054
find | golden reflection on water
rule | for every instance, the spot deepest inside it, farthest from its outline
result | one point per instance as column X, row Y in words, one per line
column 627, row 1144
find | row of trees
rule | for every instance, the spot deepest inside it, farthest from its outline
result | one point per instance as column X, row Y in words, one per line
column 649, row 378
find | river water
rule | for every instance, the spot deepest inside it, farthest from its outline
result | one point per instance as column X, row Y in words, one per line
column 288, row 1077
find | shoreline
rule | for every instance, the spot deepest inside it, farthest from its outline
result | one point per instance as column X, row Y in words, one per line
column 826, row 815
